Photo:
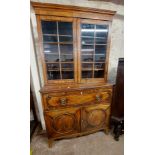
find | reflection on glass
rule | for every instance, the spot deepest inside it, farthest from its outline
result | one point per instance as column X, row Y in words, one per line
column 65, row 39
column 87, row 74
column 87, row 65
column 87, row 49
column 49, row 27
column 51, row 58
column 54, row 66
column 66, row 49
column 50, row 38
column 87, row 58
column 53, row 75
column 102, row 31
column 100, row 40
column 67, row 66
column 99, row 65
column 50, row 48
column 66, row 58
column 99, row 74
column 67, row 74
column 100, row 49
column 100, row 58
column 65, row 28
column 87, row 30
column 87, row 41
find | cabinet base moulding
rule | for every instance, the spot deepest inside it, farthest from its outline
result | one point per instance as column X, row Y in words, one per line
column 51, row 140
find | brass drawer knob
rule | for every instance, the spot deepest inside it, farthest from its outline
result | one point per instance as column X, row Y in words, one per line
column 48, row 97
column 63, row 101
column 98, row 98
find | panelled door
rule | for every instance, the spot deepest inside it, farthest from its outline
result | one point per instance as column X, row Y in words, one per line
column 62, row 122
column 94, row 117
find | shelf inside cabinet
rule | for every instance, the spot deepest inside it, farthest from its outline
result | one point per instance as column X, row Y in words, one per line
column 93, row 44
column 87, row 69
column 53, row 70
column 67, row 69
column 59, row 62
column 57, row 54
column 63, row 69
column 91, row 37
column 46, row 42
column 45, row 34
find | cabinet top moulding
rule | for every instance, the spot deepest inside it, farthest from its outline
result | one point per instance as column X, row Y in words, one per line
column 72, row 11
column 75, row 87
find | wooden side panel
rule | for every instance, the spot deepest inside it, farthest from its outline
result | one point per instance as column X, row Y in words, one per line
column 95, row 117
column 62, row 122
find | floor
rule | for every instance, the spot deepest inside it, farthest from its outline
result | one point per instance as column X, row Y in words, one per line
column 94, row 144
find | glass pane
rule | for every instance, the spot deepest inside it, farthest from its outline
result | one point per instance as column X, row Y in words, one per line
column 67, row 66
column 93, row 35
column 99, row 74
column 87, row 49
column 87, row 66
column 65, row 39
column 50, row 38
column 58, row 33
column 100, row 49
column 66, row 58
column 102, row 31
column 87, row 41
column 99, row 65
column 54, row 66
column 50, row 48
column 67, row 74
column 66, row 49
column 49, row 27
column 87, row 30
column 87, row 58
column 87, row 74
column 101, row 40
column 53, row 75
column 51, row 58
column 100, row 58
column 65, row 28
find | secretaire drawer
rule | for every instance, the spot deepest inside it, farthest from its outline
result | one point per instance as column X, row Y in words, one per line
column 76, row 98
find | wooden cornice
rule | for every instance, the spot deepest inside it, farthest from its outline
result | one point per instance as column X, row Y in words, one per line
column 49, row 6
column 44, row 9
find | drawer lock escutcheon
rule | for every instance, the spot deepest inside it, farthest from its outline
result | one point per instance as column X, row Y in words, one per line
column 63, row 101
column 98, row 98
column 48, row 97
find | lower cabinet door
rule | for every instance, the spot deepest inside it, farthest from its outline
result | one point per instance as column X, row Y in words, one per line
column 95, row 117
column 62, row 122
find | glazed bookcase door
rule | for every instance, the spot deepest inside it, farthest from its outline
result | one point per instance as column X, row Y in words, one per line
column 95, row 117
column 93, row 50
column 63, row 122
column 57, row 45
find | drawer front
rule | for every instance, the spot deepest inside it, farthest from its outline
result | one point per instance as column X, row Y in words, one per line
column 75, row 98
column 62, row 122
column 95, row 117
